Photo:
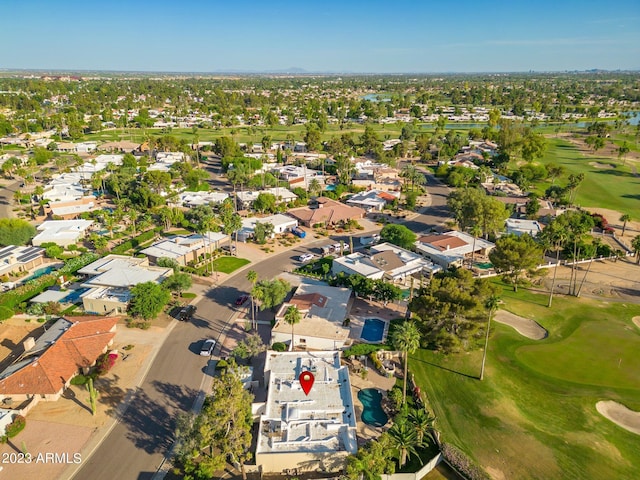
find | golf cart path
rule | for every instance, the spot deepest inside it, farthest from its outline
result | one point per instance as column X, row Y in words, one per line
column 523, row 326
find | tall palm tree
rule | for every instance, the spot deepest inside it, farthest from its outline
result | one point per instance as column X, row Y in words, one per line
column 252, row 276
column 476, row 231
column 491, row 304
column 624, row 219
column 423, row 423
column 292, row 316
column 404, row 440
column 406, row 338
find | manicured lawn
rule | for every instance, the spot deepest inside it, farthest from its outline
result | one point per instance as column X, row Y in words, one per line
column 229, row 264
column 614, row 188
column 534, row 414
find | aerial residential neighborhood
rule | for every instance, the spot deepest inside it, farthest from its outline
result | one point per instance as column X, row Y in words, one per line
column 265, row 272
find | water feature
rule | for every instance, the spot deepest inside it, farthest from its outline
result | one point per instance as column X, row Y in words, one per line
column 373, row 330
column 38, row 273
column 372, row 413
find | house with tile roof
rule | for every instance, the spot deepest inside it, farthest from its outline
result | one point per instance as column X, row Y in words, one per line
column 325, row 211
column 45, row 366
column 373, row 200
column 451, row 248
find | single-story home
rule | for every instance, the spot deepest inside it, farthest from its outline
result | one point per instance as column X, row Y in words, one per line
column 521, row 226
column 373, row 200
column 326, row 212
column 451, row 248
column 46, row 365
column 61, row 232
column 281, row 223
column 185, row 248
column 110, row 280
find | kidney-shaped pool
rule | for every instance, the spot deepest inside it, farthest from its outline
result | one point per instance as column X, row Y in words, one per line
column 372, row 414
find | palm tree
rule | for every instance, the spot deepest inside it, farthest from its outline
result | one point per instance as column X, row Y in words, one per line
column 635, row 244
column 476, row 231
column 491, row 304
column 407, row 339
column 404, row 439
column 314, row 187
column 292, row 316
column 252, row 276
column 423, row 423
column 624, row 219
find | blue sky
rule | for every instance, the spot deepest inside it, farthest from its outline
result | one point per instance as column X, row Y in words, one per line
column 390, row 36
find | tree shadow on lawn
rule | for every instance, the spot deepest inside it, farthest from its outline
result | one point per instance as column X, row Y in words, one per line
column 473, row 377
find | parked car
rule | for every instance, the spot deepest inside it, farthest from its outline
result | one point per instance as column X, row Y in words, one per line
column 186, row 313
column 305, row 257
column 207, row 347
column 229, row 248
column 242, row 299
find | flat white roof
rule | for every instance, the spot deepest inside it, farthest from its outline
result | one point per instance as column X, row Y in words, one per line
column 322, row 421
column 277, row 220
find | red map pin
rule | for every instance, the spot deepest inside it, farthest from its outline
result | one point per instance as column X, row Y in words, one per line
column 306, row 381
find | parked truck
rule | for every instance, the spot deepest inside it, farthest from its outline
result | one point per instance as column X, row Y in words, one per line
column 298, row 232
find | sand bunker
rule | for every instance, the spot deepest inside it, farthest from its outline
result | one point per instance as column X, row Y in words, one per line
column 523, row 326
column 636, row 321
column 602, row 165
column 620, row 415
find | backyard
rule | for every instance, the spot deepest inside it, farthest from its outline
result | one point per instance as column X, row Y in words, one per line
column 534, row 414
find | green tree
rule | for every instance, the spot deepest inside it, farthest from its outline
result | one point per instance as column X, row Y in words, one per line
column 423, row 423
column 148, row 299
column 252, row 276
column 514, row 256
column 406, row 338
column 178, row 282
column 404, row 440
column 372, row 461
column 15, row 231
column 249, row 347
column 270, row 293
column 265, row 202
column 292, row 316
column 624, row 219
column 472, row 206
column 262, row 231
column 385, row 292
column 491, row 305
column 635, row 244
column 220, row 433
column 398, row 235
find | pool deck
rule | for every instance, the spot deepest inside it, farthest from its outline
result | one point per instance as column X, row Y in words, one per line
column 363, row 308
column 374, row 380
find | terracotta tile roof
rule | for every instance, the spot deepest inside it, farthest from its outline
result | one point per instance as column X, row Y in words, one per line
column 77, row 347
column 331, row 212
column 443, row 242
column 304, row 302
column 387, row 197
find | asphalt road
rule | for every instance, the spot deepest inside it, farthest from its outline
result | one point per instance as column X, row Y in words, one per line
column 135, row 447
column 6, row 199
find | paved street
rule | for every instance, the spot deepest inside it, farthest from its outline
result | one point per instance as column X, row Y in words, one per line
column 136, row 446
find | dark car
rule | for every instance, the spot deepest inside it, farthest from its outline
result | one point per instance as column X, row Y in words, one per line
column 207, row 347
column 186, row 313
column 242, row 299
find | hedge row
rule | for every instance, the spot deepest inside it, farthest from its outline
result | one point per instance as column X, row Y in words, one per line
column 134, row 242
column 14, row 428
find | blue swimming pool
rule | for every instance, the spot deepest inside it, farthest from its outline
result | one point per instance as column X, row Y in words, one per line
column 74, row 295
column 38, row 273
column 372, row 413
column 372, row 330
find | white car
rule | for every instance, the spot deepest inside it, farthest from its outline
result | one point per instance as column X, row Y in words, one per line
column 207, row 347
column 305, row 257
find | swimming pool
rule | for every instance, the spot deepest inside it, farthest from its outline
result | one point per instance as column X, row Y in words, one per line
column 74, row 295
column 38, row 273
column 372, row 330
column 372, row 413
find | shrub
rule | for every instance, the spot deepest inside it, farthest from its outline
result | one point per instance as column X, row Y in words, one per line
column 364, row 349
column 188, row 295
column 460, row 461
column 279, row 347
column 105, row 362
column 5, row 313
column 79, row 380
column 15, row 427
column 221, row 365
